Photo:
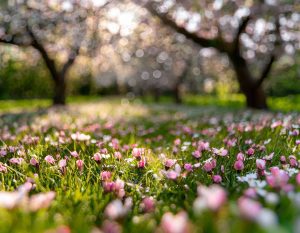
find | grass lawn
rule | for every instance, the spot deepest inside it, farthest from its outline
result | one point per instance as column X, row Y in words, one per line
column 29, row 104
column 231, row 102
column 283, row 104
column 120, row 166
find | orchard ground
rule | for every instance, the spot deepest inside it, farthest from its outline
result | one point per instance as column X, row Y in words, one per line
column 119, row 165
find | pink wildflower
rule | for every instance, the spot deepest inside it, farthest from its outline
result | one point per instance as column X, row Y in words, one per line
column 177, row 142
column 220, row 152
column 250, row 151
column 248, row 208
column 138, row 152
column 148, row 204
column 188, row 167
column 74, row 154
column 171, row 223
column 298, row 178
column 172, row 175
column 238, row 165
column 203, row 146
column 212, row 197
column 17, row 161
column 261, row 164
column 210, row 165
column 293, row 161
column 109, row 186
column 196, row 154
column 79, row 164
column 118, row 155
column 49, row 159
column 169, row 163
column 282, row 159
column 110, row 227
column 217, row 179
column 97, row 157
column 278, row 178
column 41, row 201
column 105, row 175
column 3, row 168
column 62, row 163
column 240, row 156
column 3, row 153
column 116, row 209
column 34, row 162
column 142, row 163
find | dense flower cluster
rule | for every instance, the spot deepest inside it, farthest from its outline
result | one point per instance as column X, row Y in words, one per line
column 170, row 173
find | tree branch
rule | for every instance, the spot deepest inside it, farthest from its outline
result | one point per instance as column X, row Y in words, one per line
column 48, row 61
column 76, row 47
column 265, row 71
column 217, row 43
column 241, row 29
column 72, row 57
column 11, row 41
column 6, row 41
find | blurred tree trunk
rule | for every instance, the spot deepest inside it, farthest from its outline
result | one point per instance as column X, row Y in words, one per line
column 156, row 95
column 253, row 90
column 59, row 91
column 177, row 94
column 256, row 98
column 180, row 80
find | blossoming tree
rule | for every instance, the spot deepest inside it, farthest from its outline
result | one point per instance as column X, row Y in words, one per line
column 243, row 30
column 58, row 30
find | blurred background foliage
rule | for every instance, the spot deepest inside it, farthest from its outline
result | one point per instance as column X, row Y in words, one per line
column 20, row 79
column 126, row 51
